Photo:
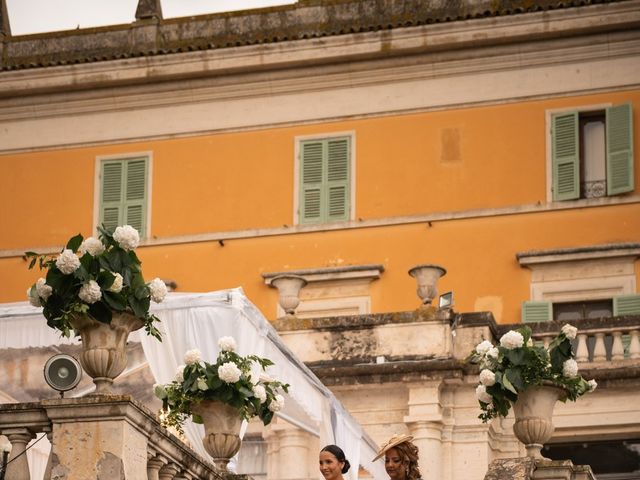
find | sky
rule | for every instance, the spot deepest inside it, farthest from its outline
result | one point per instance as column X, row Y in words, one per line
column 35, row 16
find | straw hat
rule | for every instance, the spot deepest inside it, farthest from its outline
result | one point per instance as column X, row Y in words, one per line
column 396, row 439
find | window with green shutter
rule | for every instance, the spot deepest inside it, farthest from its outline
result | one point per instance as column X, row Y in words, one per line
column 537, row 312
column 124, row 193
column 592, row 153
column 325, row 180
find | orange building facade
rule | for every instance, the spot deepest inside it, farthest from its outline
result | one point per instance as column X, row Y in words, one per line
column 458, row 168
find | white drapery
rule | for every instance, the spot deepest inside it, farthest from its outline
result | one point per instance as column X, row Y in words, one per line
column 194, row 320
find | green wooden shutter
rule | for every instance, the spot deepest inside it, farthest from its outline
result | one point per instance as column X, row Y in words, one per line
column 135, row 200
column 338, row 179
column 111, row 213
column 123, row 199
column 565, row 156
column 311, row 182
column 537, row 312
column 325, row 180
column 626, row 305
column 620, row 177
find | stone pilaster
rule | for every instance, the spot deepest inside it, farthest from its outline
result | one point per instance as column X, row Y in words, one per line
column 425, row 423
column 288, row 451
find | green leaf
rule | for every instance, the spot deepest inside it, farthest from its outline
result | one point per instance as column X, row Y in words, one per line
column 516, row 356
column 514, row 377
column 196, row 418
column 100, row 312
column 74, row 243
column 105, row 279
column 507, row 384
column 140, row 307
column 115, row 301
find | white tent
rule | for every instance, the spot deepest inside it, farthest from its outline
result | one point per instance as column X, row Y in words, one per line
column 191, row 321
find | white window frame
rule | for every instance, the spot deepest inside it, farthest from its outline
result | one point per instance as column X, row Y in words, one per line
column 296, row 173
column 549, row 139
column 97, row 188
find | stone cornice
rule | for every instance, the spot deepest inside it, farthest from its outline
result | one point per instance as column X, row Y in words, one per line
column 579, row 253
column 435, row 39
column 371, row 223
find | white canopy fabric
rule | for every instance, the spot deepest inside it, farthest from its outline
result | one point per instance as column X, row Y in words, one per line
column 198, row 320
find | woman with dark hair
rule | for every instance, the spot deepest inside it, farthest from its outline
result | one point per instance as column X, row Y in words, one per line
column 333, row 463
column 400, row 458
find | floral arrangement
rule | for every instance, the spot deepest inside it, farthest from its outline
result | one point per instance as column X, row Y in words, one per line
column 517, row 364
column 229, row 380
column 95, row 277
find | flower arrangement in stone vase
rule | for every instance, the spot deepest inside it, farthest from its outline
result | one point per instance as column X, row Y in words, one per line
column 517, row 364
column 95, row 277
column 230, row 380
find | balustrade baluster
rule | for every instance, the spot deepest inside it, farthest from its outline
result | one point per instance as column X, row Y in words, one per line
column 600, row 351
column 634, row 345
column 617, row 349
column 546, row 341
column 18, row 466
column 168, row 472
column 582, row 350
column 154, row 464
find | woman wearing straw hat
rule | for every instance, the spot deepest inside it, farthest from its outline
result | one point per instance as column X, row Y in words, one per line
column 400, row 458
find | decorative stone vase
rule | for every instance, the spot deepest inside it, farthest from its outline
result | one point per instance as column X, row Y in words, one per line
column 289, row 287
column 427, row 275
column 104, row 355
column 221, row 430
column 534, row 411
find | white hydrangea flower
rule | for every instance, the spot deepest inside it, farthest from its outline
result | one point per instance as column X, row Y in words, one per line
column 483, row 347
column 44, row 290
column 277, row 404
column 493, row 352
column 34, row 300
column 180, row 374
column 202, row 384
column 264, row 378
column 482, row 395
column 90, row 292
column 227, row 344
column 511, row 340
column 260, row 393
column 570, row 368
column 158, row 290
column 127, row 237
column 229, row 372
column 67, row 262
column 592, row 385
column 116, row 286
column 487, row 378
column 92, row 246
column 192, row 356
column 159, row 391
column 570, row 331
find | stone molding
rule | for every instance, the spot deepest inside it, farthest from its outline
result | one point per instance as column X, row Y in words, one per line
column 350, row 272
column 415, row 69
column 369, row 223
column 594, row 252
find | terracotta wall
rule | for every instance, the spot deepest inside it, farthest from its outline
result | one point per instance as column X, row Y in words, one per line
column 455, row 160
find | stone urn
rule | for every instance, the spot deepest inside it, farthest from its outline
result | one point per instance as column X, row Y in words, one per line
column 289, row 287
column 427, row 275
column 104, row 355
column 534, row 412
column 222, row 425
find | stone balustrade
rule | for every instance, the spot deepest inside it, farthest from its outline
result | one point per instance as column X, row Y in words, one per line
column 101, row 437
column 601, row 342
